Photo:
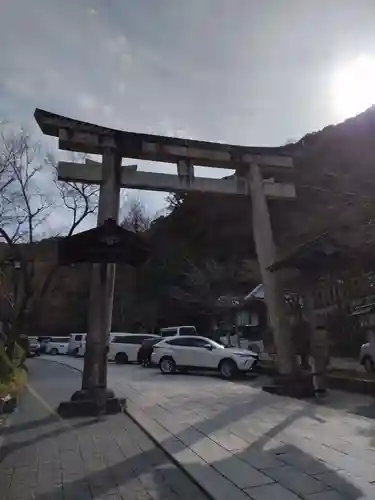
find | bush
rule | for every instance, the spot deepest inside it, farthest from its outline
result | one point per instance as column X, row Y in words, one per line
column 14, row 383
column 13, row 373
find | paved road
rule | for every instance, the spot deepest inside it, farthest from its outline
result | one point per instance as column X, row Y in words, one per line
column 242, row 443
column 46, row 458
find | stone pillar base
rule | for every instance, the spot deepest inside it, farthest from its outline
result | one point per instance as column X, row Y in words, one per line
column 298, row 386
column 85, row 403
column 90, row 394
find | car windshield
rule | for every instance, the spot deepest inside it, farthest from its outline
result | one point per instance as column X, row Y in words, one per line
column 217, row 344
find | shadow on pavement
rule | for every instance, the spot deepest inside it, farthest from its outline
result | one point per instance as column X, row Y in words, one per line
column 281, row 468
column 32, row 424
column 18, row 443
column 269, row 464
column 367, row 411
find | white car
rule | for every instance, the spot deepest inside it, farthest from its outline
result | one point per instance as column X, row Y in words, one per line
column 188, row 352
column 176, row 331
column 124, row 347
column 367, row 356
column 76, row 340
column 57, row 345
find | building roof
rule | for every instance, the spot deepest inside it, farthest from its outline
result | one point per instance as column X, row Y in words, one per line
column 322, row 251
column 365, row 309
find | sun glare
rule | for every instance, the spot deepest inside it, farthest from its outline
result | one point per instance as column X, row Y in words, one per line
column 354, row 87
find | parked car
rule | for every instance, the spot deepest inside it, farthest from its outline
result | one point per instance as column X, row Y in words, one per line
column 43, row 341
column 367, row 356
column 188, row 352
column 76, row 340
column 124, row 347
column 58, row 345
column 34, row 347
column 80, row 352
column 175, row 331
column 146, row 349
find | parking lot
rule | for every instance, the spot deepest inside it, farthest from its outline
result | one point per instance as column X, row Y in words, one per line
column 233, row 426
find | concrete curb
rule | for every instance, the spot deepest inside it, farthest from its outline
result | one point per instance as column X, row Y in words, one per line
column 170, row 455
column 61, row 362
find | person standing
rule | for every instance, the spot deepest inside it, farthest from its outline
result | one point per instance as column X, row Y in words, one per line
column 320, row 355
column 300, row 330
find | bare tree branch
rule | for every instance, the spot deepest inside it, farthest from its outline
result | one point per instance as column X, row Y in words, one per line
column 136, row 218
column 27, row 200
column 80, row 199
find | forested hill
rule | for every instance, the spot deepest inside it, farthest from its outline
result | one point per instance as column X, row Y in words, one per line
column 334, row 178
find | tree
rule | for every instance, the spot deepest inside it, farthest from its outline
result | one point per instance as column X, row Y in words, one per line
column 175, row 200
column 30, row 197
column 202, row 285
column 136, row 218
column 130, row 308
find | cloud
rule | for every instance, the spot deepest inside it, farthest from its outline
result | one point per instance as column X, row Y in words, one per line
column 243, row 72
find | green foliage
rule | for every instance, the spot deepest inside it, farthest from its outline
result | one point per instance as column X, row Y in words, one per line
column 13, row 373
column 14, row 383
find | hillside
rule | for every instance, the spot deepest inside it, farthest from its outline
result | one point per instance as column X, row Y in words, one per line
column 334, row 178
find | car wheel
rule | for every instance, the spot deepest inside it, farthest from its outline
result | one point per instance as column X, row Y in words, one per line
column 121, row 358
column 228, row 368
column 54, row 351
column 368, row 365
column 167, row 365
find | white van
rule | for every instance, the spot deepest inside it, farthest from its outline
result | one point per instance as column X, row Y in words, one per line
column 124, row 347
column 75, row 342
column 175, row 331
column 82, row 348
column 57, row 345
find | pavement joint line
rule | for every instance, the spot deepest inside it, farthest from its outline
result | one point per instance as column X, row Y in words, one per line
column 48, row 407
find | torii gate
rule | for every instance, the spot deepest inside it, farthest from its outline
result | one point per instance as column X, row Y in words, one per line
column 254, row 167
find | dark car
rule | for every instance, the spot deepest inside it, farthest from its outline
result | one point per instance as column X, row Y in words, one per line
column 34, row 347
column 145, row 351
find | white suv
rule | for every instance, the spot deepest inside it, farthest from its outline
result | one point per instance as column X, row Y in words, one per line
column 188, row 352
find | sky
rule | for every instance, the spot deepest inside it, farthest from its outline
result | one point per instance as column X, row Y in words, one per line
column 250, row 72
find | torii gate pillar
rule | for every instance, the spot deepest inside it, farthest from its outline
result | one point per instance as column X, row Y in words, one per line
column 266, row 253
column 94, row 380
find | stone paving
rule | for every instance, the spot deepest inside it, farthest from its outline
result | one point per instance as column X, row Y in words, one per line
column 241, row 443
column 46, row 458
